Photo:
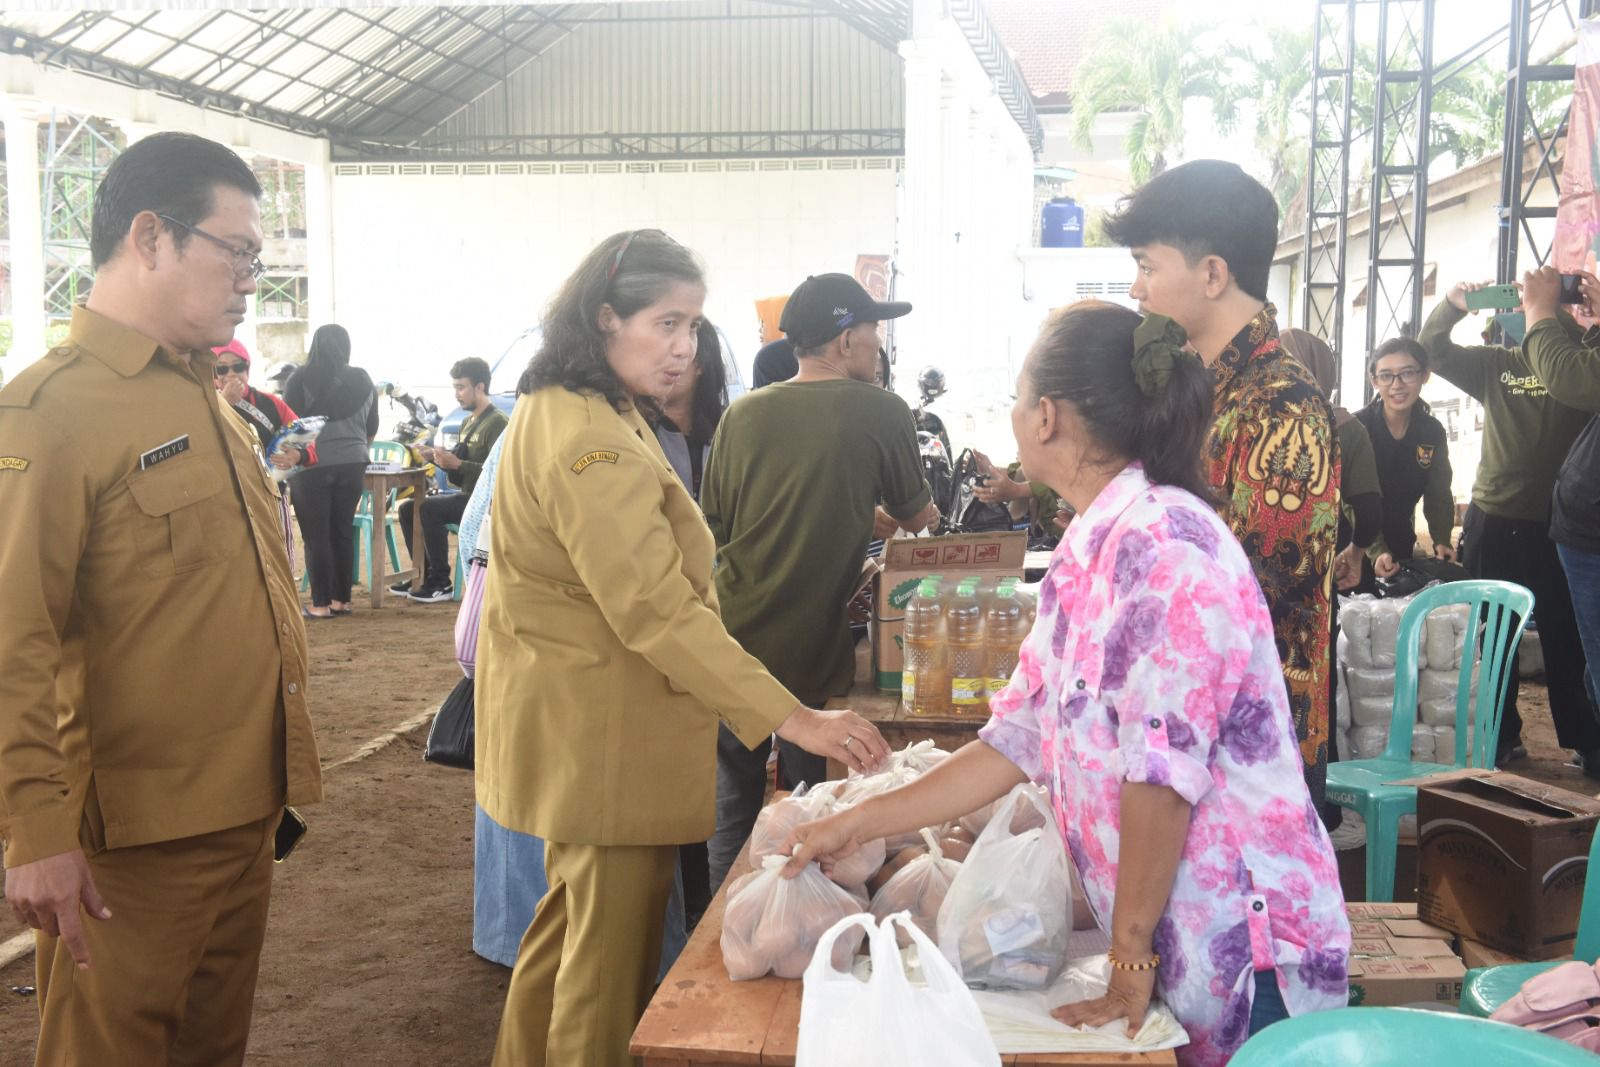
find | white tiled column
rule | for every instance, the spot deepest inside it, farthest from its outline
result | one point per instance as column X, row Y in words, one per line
column 27, row 234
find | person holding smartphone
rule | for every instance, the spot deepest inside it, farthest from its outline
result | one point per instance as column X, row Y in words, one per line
column 1506, row 534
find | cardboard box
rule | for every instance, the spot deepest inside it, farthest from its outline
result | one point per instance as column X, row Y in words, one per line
column 1502, row 860
column 1477, row 954
column 908, row 560
column 1353, row 870
column 1396, row 959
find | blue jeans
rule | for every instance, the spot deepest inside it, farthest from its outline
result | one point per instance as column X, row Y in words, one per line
column 1583, row 578
column 508, row 882
column 1267, row 1007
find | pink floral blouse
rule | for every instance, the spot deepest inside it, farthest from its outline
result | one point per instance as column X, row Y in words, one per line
column 1153, row 660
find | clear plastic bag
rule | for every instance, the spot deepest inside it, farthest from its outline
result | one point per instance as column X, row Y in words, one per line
column 772, row 924
column 1007, row 916
column 777, row 821
column 918, row 888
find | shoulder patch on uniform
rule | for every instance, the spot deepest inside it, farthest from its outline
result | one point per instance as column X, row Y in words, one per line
column 13, row 463
column 599, row 456
column 1424, row 456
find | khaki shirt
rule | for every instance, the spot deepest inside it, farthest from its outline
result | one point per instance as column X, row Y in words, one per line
column 603, row 666
column 152, row 656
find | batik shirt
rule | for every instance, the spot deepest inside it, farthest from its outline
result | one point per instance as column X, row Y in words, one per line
column 1152, row 660
column 1273, row 460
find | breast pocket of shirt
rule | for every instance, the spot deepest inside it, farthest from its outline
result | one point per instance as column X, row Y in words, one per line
column 177, row 526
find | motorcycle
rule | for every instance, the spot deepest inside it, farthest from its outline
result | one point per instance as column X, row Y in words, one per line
column 952, row 483
column 414, row 433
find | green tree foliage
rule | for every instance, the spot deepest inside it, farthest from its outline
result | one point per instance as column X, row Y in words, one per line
column 1149, row 69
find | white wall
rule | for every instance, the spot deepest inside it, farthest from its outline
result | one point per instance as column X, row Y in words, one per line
column 432, row 267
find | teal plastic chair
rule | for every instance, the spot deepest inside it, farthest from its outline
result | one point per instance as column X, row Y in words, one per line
column 1367, row 786
column 1486, row 988
column 1402, row 1037
column 459, row 582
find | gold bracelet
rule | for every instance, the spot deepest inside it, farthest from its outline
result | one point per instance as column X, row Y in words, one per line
column 1148, row 965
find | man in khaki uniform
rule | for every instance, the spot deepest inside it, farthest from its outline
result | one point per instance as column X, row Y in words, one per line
column 142, row 779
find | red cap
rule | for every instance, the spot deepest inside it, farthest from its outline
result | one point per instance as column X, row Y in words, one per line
column 234, row 347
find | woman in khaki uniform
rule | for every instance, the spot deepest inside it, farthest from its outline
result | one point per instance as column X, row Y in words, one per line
column 603, row 667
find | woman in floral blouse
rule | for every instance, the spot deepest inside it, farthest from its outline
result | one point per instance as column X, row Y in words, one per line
column 1149, row 700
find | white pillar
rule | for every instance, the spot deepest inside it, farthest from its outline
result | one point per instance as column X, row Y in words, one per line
column 918, row 225
column 27, row 234
column 319, row 236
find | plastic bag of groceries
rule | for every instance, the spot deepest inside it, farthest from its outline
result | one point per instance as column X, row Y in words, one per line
column 884, row 1018
column 1008, row 913
column 918, row 888
column 772, row 924
column 298, row 434
column 777, row 820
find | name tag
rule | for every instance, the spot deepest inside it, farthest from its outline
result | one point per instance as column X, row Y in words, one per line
column 161, row 453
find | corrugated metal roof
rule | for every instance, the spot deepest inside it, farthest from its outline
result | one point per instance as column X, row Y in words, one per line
column 377, row 77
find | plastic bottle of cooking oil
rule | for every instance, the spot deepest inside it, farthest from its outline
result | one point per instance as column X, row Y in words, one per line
column 964, row 627
column 925, row 678
column 1005, row 625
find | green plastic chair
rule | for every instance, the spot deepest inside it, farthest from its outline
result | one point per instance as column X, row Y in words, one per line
column 1486, row 988
column 1402, row 1037
column 459, row 582
column 1367, row 786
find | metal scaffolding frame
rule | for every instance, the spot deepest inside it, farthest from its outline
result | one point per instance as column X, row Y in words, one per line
column 1328, row 171
column 1397, row 223
column 1524, row 135
column 76, row 153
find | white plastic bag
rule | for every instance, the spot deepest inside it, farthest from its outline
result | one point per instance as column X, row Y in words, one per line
column 1386, row 632
column 918, row 888
column 1376, row 683
column 772, row 924
column 1372, row 711
column 1007, row 916
column 847, row 1021
column 1367, row 742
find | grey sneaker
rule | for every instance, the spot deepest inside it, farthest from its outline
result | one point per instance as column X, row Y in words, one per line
column 430, row 595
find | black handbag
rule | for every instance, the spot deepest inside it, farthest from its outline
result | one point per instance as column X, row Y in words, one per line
column 452, row 736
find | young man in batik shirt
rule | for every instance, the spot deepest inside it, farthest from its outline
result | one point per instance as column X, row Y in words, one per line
column 1202, row 237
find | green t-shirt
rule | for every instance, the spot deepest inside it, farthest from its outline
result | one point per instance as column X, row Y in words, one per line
column 796, row 470
column 1526, row 431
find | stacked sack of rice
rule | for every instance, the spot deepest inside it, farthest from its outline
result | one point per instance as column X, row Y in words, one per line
column 1369, row 632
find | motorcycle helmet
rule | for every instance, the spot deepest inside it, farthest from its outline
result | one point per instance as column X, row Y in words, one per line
column 279, row 372
column 930, row 382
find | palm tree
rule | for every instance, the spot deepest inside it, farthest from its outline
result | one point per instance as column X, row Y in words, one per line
column 1278, row 79
column 1468, row 118
column 1150, row 69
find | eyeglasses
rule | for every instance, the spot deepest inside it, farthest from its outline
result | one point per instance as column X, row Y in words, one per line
column 1404, row 377
column 225, row 369
column 246, row 264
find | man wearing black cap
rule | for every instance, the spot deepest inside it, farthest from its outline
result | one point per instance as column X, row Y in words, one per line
column 791, row 493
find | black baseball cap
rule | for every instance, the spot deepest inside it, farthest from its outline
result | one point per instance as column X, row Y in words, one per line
column 825, row 305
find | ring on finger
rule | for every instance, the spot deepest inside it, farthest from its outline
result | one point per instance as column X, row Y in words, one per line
column 847, row 740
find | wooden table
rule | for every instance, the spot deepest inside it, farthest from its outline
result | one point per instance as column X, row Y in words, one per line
column 379, row 483
column 701, row 1018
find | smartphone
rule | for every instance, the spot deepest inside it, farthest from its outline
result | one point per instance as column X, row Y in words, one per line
column 291, row 828
column 1493, row 296
column 1571, row 289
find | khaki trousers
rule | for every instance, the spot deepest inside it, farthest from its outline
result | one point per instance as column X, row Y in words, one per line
column 588, row 962
column 172, row 973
